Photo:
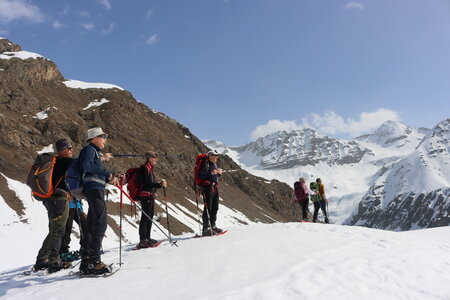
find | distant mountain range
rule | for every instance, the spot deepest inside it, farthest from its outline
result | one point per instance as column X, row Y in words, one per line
column 396, row 177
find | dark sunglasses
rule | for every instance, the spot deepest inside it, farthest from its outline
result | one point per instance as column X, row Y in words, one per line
column 103, row 136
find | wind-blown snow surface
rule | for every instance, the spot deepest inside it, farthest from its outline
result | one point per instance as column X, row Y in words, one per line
column 276, row 261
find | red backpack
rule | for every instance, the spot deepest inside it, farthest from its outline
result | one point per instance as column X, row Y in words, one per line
column 134, row 186
column 198, row 164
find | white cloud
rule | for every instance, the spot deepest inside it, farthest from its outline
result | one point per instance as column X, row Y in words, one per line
column 273, row 126
column 88, row 26
column 108, row 30
column 330, row 123
column 151, row 40
column 149, row 14
column 105, row 3
column 354, row 5
column 11, row 10
column 58, row 25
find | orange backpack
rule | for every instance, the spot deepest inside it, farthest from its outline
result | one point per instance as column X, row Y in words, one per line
column 40, row 176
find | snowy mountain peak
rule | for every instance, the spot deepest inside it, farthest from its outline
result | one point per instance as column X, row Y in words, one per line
column 394, row 134
column 392, row 139
column 412, row 192
column 283, row 150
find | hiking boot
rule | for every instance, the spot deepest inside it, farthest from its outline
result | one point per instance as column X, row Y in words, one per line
column 217, row 229
column 99, row 268
column 41, row 264
column 144, row 243
column 207, row 232
column 55, row 267
column 314, row 221
column 84, row 265
column 69, row 256
column 152, row 243
column 327, row 221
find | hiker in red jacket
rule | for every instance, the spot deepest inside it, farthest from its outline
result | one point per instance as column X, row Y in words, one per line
column 149, row 184
column 301, row 193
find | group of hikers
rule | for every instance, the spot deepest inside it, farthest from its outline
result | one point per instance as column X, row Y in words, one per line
column 63, row 201
column 63, row 208
column 316, row 192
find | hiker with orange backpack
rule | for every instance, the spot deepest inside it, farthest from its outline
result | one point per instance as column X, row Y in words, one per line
column 56, row 201
column 148, row 183
column 207, row 178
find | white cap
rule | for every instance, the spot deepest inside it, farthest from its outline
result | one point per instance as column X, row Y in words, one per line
column 94, row 132
column 212, row 153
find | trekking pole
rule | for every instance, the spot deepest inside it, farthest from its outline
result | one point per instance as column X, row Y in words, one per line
column 79, row 218
column 127, row 155
column 328, row 213
column 167, row 212
column 120, row 226
column 145, row 214
column 198, row 210
column 207, row 212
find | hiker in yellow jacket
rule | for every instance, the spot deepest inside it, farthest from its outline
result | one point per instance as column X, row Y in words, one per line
column 319, row 200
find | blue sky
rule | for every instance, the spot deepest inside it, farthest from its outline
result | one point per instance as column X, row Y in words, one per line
column 237, row 69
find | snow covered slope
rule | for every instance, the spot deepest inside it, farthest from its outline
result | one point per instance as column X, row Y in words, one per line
column 30, row 228
column 413, row 192
column 276, row 261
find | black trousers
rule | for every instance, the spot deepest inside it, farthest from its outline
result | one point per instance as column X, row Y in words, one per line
column 145, row 225
column 211, row 200
column 319, row 204
column 96, row 224
column 77, row 215
column 304, row 203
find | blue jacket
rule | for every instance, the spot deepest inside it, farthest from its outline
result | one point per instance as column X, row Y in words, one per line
column 95, row 176
column 205, row 171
